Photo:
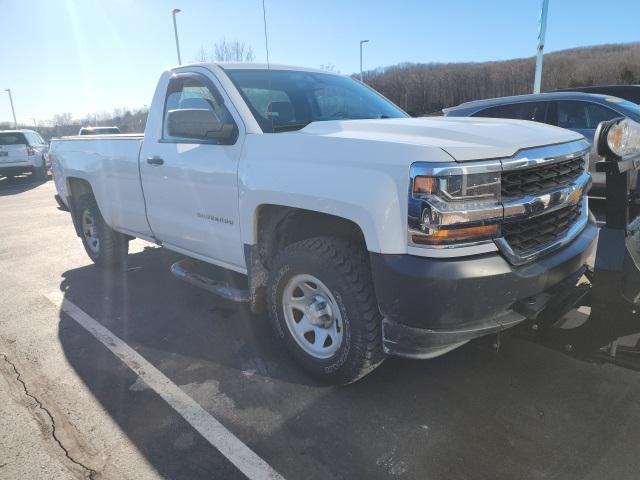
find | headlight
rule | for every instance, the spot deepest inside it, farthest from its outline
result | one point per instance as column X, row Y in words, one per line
column 623, row 138
column 467, row 187
column 454, row 204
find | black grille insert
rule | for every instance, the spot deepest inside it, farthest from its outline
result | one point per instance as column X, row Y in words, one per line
column 535, row 180
column 531, row 234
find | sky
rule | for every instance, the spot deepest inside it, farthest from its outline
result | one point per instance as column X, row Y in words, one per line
column 88, row 56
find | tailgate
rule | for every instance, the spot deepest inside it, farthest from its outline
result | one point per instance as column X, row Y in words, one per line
column 13, row 153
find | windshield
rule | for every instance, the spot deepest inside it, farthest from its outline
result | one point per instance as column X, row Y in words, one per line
column 284, row 100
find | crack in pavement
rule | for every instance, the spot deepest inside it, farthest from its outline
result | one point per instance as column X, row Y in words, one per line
column 91, row 473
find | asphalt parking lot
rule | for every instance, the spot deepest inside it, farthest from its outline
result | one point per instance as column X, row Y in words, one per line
column 71, row 408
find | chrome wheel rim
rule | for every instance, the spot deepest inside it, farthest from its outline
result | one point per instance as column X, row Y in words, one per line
column 90, row 231
column 312, row 316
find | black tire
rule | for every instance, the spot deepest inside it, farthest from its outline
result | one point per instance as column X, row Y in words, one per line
column 112, row 247
column 41, row 173
column 343, row 268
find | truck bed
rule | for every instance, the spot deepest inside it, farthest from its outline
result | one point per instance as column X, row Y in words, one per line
column 110, row 164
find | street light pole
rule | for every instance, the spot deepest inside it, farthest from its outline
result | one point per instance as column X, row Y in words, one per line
column 361, row 42
column 537, row 82
column 175, row 31
column 13, row 110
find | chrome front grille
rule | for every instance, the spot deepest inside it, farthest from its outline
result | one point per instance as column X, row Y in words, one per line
column 544, row 200
column 531, row 234
column 541, row 178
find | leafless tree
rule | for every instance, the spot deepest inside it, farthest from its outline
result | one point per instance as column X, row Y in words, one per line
column 233, row 51
column 424, row 89
column 202, row 55
column 128, row 121
column 226, row 51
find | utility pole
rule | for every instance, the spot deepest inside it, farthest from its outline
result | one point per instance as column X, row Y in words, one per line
column 175, row 31
column 537, row 83
column 361, row 42
column 13, row 110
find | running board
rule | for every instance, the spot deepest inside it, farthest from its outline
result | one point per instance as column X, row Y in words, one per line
column 198, row 273
column 61, row 204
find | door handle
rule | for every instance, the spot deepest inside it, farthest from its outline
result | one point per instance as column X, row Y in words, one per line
column 155, row 160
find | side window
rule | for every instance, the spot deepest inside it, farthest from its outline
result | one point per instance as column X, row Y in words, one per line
column 535, row 111
column 540, row 112
column 572, row 115
column 501, row 111
column 34, row 139
column 598, row 113
column 191, row 92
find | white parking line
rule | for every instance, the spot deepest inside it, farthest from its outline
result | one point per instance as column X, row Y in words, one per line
column 245, row 459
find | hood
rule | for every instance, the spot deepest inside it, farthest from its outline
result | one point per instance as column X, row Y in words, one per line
column 462, row 138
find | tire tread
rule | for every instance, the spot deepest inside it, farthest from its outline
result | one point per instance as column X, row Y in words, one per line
column 351, row 262
column 113, row 245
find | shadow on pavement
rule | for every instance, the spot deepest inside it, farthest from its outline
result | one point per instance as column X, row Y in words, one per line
column 18, row 184
column 524, row 412
column 147, row 307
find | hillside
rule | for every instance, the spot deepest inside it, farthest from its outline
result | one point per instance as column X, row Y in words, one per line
column 422, row 88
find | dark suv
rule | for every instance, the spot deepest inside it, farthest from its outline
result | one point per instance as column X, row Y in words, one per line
column 580, row 112
column 628, row 92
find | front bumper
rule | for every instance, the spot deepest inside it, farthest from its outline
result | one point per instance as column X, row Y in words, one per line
column 431, row 306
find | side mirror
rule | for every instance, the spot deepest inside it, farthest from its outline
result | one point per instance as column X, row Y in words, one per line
column 198, row 123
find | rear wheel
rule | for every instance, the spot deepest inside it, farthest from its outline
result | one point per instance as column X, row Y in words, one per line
column 105, row 246
column 323, row 307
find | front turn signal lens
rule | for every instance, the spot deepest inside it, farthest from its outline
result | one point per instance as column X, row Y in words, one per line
column 453, row 235
column 424, row 185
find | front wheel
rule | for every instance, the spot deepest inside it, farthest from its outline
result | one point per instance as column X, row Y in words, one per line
column 106, row 247
column 323, row 307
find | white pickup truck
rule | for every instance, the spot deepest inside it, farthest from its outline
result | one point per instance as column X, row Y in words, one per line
column 363, row 232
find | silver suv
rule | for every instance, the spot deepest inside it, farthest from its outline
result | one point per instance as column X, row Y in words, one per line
column 23, row 151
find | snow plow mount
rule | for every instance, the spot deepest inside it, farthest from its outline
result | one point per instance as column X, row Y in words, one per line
column 599, row 318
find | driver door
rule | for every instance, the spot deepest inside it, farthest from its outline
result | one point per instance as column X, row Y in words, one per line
column 190, row 184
